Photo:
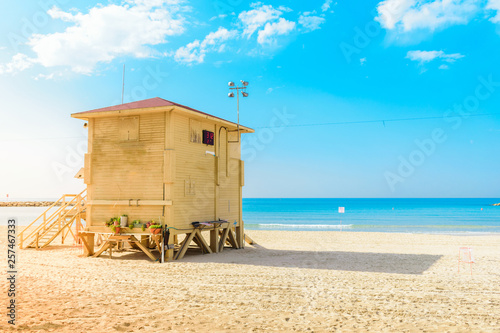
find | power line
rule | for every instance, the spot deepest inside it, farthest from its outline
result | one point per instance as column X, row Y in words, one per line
column 382, row 121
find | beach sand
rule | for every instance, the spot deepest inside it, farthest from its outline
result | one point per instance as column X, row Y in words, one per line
column 290, row 281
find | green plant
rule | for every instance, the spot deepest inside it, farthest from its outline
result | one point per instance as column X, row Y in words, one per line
column 112, row 221
column 114, row 227
column 131, row 225
column 153, row 225
column 124, row 215
column 143, row 227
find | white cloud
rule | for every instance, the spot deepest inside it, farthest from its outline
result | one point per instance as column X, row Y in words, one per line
column 266, row 20
column 50, row 76
column 107, row 32
column 428, row 56
column 408, row 15
column 282, row 27
column 216, row 39
column 443, row 66
column 220, row 16
column 19, row 62
column 326, row 5
column 190, row 53
column 494, row 5
column 362, row 61
column 310, row 22
column 258, row 17
column 195, row 52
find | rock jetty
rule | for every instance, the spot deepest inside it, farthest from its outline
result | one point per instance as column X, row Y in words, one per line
column 26, row 203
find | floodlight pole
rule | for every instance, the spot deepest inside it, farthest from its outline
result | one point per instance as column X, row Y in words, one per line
column 233, row 87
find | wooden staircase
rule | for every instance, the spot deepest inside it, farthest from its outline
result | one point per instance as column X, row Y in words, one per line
column 68, row 210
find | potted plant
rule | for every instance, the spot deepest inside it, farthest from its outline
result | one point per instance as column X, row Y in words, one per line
column 124, row 220
column 114, row 225
column 154, row 227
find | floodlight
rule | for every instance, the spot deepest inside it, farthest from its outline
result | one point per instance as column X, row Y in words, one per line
column 231, row 94
column 231, row 84
column 245, row 94
column 245, row 83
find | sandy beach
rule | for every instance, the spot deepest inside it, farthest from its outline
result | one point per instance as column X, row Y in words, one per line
column 291, row 281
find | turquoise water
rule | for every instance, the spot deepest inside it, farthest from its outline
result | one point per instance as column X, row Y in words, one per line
column 449, row 216
column 23, row 215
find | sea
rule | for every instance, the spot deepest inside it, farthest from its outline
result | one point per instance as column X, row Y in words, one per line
column 435, row 216
column 432, row 216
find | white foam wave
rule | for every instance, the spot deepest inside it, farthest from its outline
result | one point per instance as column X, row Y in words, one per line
column 304, row 226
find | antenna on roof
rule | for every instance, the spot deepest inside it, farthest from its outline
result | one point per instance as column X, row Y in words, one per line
column 123, row 82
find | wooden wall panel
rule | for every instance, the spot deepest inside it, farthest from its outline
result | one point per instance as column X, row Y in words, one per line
column 101, row 214
column 122, row 170
column 193, row 166
column 165, row 163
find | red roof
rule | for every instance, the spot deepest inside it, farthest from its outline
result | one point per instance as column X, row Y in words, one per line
column 147, row 103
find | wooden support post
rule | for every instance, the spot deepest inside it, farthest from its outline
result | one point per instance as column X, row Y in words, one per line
column 157, row 239
column 62, row 236
column 233, row 239
column 110, row 250
column 214, row 239
column 197, row 242
column 143, row 248
column 185, row 245
column 88, row 243
column 224, row 238
column 240, row 235
column 203, row 243
column 169, row 251
column 145, row 240
column 103, row 248
column 249, row 240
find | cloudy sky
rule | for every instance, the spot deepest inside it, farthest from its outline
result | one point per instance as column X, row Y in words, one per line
column 395, row 98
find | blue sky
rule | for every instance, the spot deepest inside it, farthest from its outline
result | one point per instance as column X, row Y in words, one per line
column 395, row 98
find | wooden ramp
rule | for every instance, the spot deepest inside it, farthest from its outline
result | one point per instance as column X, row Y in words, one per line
column 68, row 210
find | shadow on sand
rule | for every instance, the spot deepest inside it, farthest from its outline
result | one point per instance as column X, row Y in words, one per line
column 397, row 263
column 256, row 255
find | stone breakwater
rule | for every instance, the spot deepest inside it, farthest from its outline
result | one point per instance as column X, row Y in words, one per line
column 26, row 203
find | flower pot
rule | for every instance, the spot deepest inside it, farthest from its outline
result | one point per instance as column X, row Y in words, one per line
column 123, row 221
column 117, row 230
column 155, row 231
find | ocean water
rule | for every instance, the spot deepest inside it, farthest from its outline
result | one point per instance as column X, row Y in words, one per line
column 23, row 215
column 436, row 216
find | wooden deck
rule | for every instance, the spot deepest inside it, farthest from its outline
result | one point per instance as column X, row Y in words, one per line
column 221, row 234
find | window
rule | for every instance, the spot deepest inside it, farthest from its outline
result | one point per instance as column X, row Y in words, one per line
column 128, row 129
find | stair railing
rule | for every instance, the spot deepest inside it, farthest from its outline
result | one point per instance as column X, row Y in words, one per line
column 47, row 222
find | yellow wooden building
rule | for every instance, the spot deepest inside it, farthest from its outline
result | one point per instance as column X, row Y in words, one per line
column 159, row 160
